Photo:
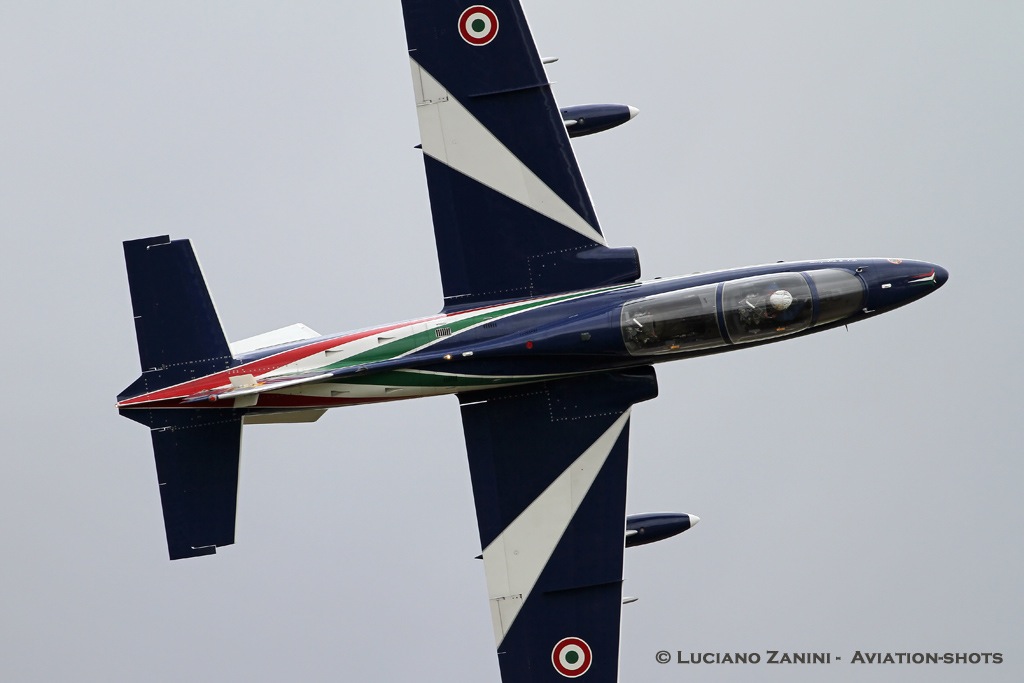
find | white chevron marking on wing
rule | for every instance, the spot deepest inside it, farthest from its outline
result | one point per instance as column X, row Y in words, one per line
column 453, row 136
column 515, row 559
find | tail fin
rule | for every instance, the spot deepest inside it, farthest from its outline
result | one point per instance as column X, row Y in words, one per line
column 176, row 323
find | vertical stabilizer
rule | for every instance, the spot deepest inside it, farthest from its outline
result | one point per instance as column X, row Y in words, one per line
column 176, row 324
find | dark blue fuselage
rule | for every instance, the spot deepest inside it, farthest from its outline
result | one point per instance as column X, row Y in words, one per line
column 617, row 328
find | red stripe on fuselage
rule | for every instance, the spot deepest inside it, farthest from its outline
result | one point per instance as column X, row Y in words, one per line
column 261, row 366
column 269, row 402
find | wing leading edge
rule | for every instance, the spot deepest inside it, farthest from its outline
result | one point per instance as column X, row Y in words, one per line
column 548, row 465
column 512, row 215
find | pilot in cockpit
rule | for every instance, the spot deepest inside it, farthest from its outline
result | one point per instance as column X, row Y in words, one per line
column 779, row 302
column 769, row 306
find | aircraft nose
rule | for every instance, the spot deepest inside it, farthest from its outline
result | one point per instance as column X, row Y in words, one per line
column 898, row 282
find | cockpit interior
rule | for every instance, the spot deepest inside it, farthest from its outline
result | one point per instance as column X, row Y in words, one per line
column 741, row 311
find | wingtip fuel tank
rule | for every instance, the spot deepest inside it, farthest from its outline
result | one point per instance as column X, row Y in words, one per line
column 587, row 119
column 657, row 526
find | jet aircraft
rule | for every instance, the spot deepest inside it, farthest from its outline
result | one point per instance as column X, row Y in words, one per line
column 547, row 336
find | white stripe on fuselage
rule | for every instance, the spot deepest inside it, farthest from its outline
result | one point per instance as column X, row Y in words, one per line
column 350, row 349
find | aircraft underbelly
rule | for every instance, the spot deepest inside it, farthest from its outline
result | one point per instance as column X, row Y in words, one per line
column 392, row 387
column 365, row 392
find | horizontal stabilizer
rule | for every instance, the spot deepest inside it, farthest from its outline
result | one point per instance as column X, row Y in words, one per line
column 176, row 324
column 197, row 469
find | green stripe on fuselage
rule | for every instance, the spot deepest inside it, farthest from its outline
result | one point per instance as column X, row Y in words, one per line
column 399, row 347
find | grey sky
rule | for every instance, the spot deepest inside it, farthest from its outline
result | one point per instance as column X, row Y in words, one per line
column 859, row 490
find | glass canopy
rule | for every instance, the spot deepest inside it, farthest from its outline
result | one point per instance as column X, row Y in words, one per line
column 752, row 309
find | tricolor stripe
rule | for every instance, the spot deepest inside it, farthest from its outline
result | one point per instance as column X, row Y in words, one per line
column 364, row 347
column 260, row 367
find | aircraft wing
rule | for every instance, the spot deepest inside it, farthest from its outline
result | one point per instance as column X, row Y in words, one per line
column 512, row 215
column 548, row 465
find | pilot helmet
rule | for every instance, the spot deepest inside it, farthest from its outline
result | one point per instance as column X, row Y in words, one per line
column 780, row 300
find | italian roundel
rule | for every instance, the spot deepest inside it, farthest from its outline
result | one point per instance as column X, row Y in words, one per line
column 478, row 25
column 571, row 657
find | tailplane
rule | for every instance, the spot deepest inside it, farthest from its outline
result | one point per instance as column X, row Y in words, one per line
column 197, row 468
column 179, row 334
column 180, row 338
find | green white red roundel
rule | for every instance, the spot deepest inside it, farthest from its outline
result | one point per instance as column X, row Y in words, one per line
column 478, row 25
column 571, row 657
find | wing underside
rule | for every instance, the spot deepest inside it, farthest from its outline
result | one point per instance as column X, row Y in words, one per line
column 512, row 215
column 548, row 465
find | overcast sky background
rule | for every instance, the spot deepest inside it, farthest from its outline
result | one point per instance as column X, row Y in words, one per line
column 859, row 490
